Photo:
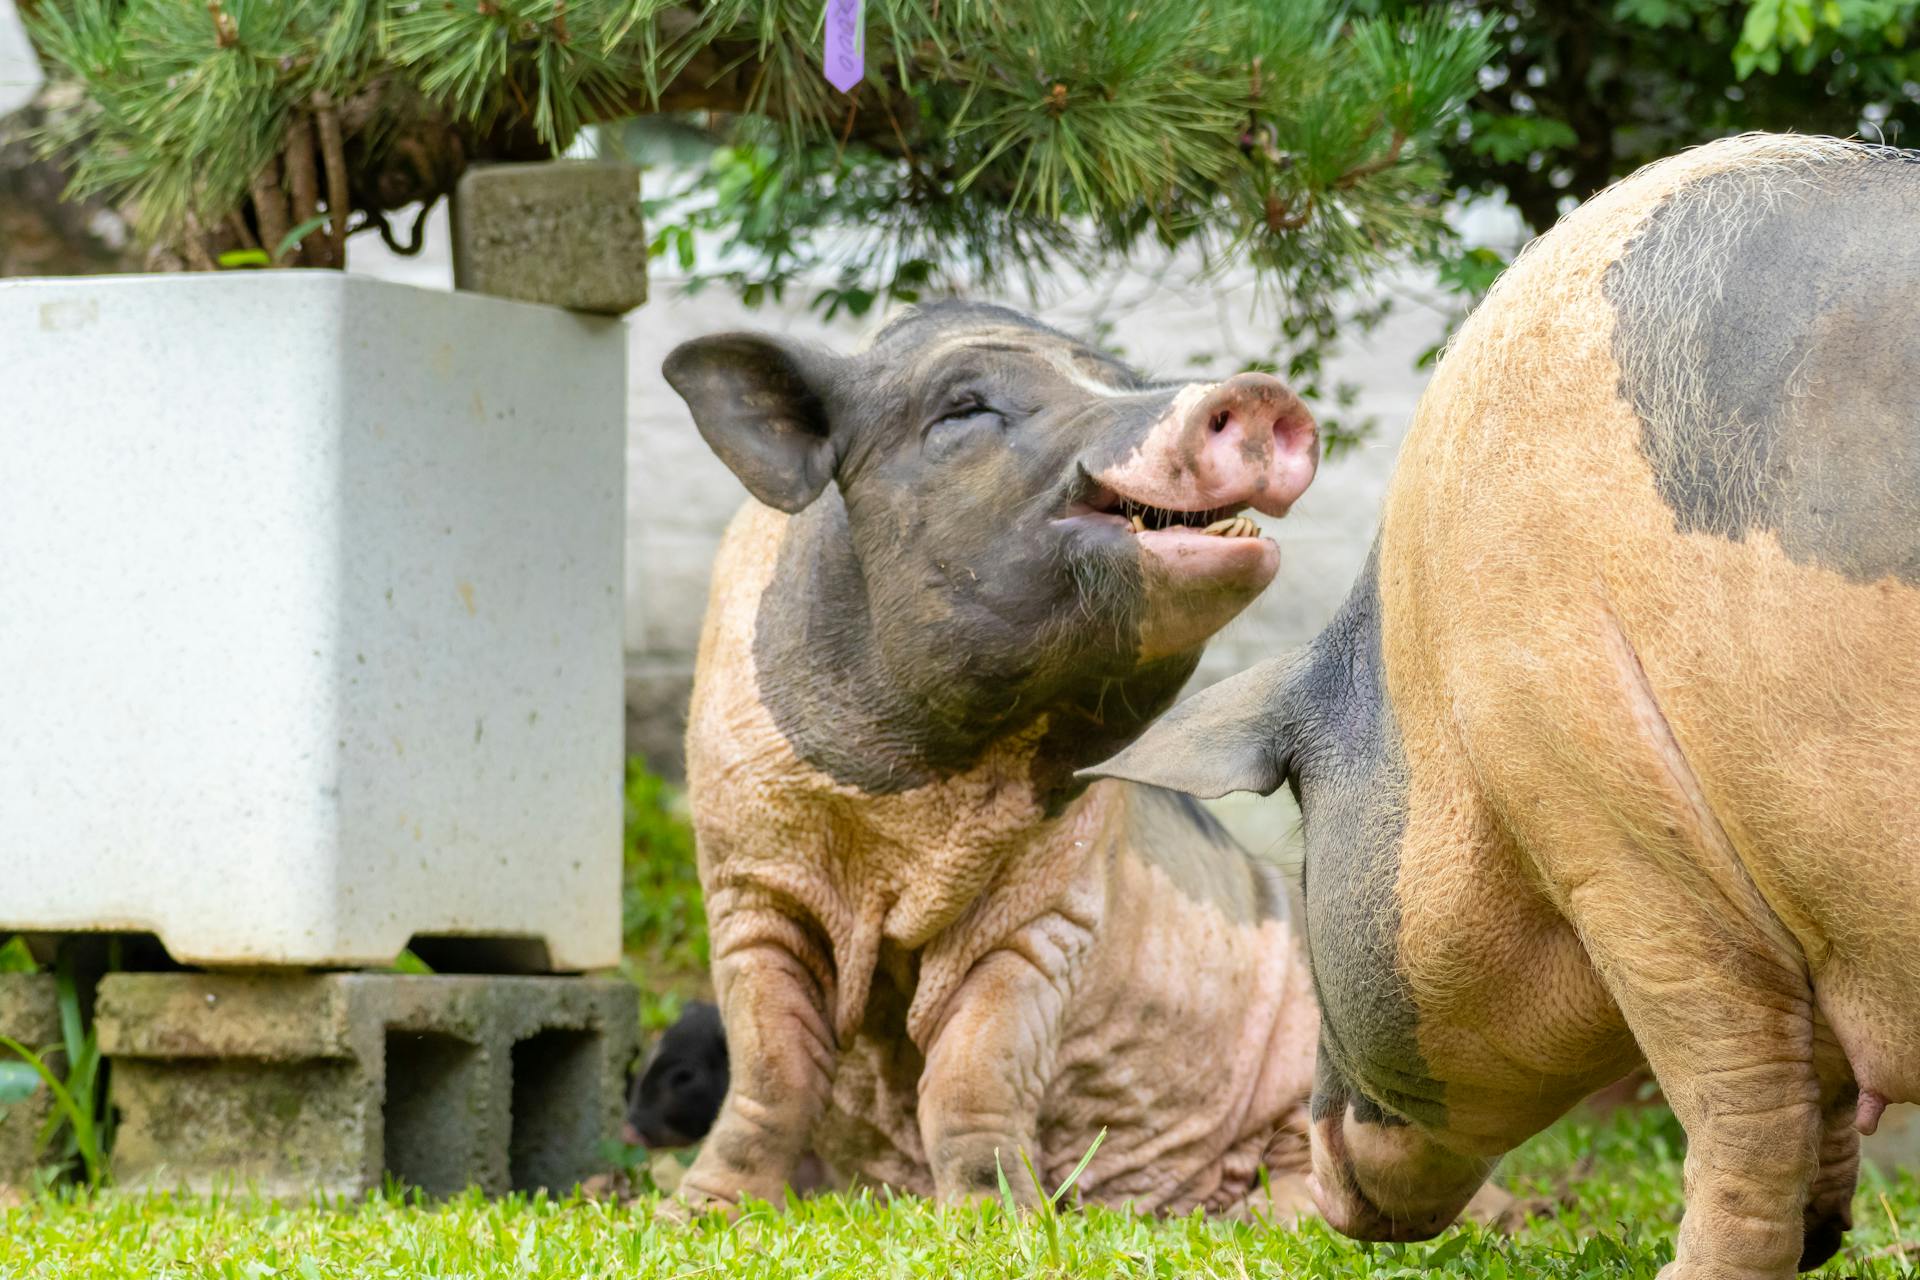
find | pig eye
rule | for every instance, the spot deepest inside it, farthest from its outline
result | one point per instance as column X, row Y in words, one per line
column 965, row 408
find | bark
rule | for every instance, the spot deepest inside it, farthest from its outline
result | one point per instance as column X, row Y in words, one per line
column 270, row 209
column 303, row 183
column 333, row 162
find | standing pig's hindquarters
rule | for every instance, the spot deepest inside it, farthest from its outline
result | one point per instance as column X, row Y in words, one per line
column 1649, row 581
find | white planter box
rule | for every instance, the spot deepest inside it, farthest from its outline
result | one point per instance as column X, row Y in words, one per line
column 310, row 617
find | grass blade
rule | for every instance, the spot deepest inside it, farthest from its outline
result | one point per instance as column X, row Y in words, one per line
column 1080, row 1168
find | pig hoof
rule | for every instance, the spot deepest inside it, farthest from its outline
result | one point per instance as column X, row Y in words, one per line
column 1823, row 1239
column 674, row 1213
column 686, row 1208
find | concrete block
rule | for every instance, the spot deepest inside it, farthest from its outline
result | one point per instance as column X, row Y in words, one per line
column 563, row 232
column 296, row 1083
column 29, row 1013
column 354, row 617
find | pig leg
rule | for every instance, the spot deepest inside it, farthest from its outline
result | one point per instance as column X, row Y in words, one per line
column 987, row 1069
column 1829, row 1212
column 1721, row 1005
column 773, row 999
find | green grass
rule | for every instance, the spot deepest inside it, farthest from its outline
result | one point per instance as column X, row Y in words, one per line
column 1619, row 1224
column 1617, row 1218
column 662, row 922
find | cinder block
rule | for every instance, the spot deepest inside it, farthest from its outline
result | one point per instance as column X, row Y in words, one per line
column 296, row 1083
column 563, row 232
column 29, row 1013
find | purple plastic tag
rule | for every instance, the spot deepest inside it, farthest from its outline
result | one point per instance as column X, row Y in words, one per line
column 846, row 44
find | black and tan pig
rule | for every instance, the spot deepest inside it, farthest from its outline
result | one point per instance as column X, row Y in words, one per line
column 983, row 556
column 1614, row 749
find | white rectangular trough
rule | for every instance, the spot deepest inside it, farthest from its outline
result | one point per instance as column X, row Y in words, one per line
column 310, row 617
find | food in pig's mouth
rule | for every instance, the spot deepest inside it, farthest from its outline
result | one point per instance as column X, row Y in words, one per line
column 1229, row 524
column 1220, row 522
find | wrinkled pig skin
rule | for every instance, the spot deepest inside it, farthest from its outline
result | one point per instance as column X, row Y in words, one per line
column 1614, row 750
column 934, row 949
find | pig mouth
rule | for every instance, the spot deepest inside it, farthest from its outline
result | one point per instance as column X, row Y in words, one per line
column 1101, row 505
column 1194, row 568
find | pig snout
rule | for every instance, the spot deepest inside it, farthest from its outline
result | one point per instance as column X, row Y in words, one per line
column 1387, row 1180
column 1249, row 440
column 1253, row 433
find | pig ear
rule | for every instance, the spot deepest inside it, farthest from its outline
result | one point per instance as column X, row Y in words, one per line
column 760, row 404
column 1231, row 737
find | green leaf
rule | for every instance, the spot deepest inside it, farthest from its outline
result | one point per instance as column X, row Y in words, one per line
column 66, row 987
column 407, row 962
column 19, row 1081
column 243, row 258
column 1762, row 26
column 1472, row 272
column 1796, row 22
column 292, row 239
column 1653, row 13
column 15, row 957
column 1033, row 1179
column 1447, row 1250
column 1509, row 139
column 1080, row 1168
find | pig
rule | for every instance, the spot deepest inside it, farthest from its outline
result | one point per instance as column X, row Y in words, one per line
column 672, row 1102
column 980, row 556
column 1613, row 751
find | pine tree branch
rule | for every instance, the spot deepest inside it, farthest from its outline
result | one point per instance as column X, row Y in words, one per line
column 1361, row 172
column 980, row 134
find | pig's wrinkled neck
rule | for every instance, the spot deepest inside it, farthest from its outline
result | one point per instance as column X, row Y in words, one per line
column 818, row 668
column 888, row 717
